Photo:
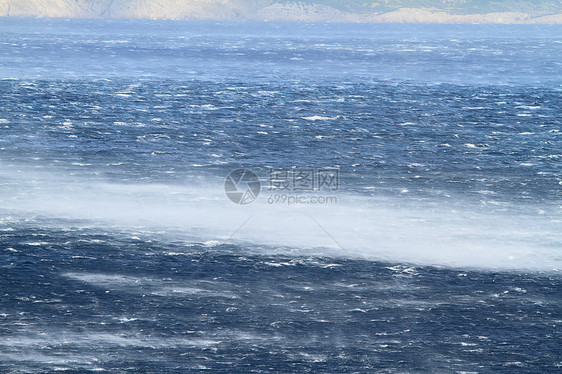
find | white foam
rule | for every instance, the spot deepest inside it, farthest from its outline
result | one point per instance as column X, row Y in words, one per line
column 318, row 118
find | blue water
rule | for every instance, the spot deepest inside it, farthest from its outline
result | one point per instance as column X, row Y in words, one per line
column 440, row 249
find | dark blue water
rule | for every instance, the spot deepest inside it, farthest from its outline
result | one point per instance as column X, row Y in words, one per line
column 440, row 250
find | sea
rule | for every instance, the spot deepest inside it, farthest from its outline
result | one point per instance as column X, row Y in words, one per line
column 269, row 197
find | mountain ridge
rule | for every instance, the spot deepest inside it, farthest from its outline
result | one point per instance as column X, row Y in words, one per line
column 424, row 11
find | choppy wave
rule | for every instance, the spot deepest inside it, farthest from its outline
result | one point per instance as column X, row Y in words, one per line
column 438, row 251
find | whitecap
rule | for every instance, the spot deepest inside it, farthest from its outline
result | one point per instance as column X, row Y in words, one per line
column 319, row 118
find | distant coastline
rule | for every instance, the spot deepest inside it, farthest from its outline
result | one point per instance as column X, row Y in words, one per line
column 263, row 11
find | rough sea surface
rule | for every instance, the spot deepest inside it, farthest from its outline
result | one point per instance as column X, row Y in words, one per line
column 440, row 249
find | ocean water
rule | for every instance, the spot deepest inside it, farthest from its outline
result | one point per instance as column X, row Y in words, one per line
column 435, row 244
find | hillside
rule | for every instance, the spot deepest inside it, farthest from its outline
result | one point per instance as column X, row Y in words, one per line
column 437, row 11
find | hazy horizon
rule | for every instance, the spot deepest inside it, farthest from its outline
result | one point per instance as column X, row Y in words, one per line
column 391, row 11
